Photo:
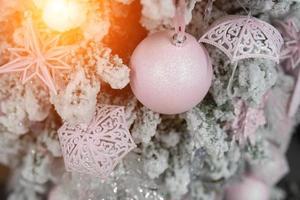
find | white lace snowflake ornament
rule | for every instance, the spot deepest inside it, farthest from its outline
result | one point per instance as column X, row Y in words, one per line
column 96, row 148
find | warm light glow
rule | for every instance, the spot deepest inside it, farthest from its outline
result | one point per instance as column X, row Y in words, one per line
column 63, row 15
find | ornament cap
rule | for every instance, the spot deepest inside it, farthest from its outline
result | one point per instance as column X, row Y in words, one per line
column 178, row 40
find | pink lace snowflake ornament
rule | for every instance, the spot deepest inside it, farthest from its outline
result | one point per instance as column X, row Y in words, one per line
column 291, row 48
column 247, row 121
column 97, row 147
column 241, row 37
column 291, row 56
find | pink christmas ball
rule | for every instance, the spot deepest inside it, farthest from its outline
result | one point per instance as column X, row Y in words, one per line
column 250, row 188
column 57, row 193
column 272, row 170
column 169, row 79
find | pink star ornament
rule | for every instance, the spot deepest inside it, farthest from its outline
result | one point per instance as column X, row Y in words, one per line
column 37, row 58
column 291, row 54
column 97, row 147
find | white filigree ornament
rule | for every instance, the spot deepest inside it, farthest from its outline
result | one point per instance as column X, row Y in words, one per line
column 241, row 37
column 96, row 147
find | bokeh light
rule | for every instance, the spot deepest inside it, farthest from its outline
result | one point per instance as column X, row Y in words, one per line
column 64, row 15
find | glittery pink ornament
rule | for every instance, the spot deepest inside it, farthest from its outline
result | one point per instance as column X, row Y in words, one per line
column 97, row 147
column 171, row 72
column 170, row 79
column 250, row 188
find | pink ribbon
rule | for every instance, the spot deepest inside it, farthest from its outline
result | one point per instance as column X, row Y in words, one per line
column 179, row 20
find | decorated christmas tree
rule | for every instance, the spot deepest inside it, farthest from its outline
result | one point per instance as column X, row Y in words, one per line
column 148, row 99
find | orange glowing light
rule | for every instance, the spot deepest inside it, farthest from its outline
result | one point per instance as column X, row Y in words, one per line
column 63, row 15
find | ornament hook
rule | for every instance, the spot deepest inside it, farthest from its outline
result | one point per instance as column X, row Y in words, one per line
column 179, row 21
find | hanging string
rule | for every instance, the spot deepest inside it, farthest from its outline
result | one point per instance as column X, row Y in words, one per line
column 244, row 8
column 229, row 86
column 179, row 23
column 208, row 10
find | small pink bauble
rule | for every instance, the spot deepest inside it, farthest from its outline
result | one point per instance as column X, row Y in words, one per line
column 57, row 193
column 170, row 79
column 273, row 170
column 249, row 189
